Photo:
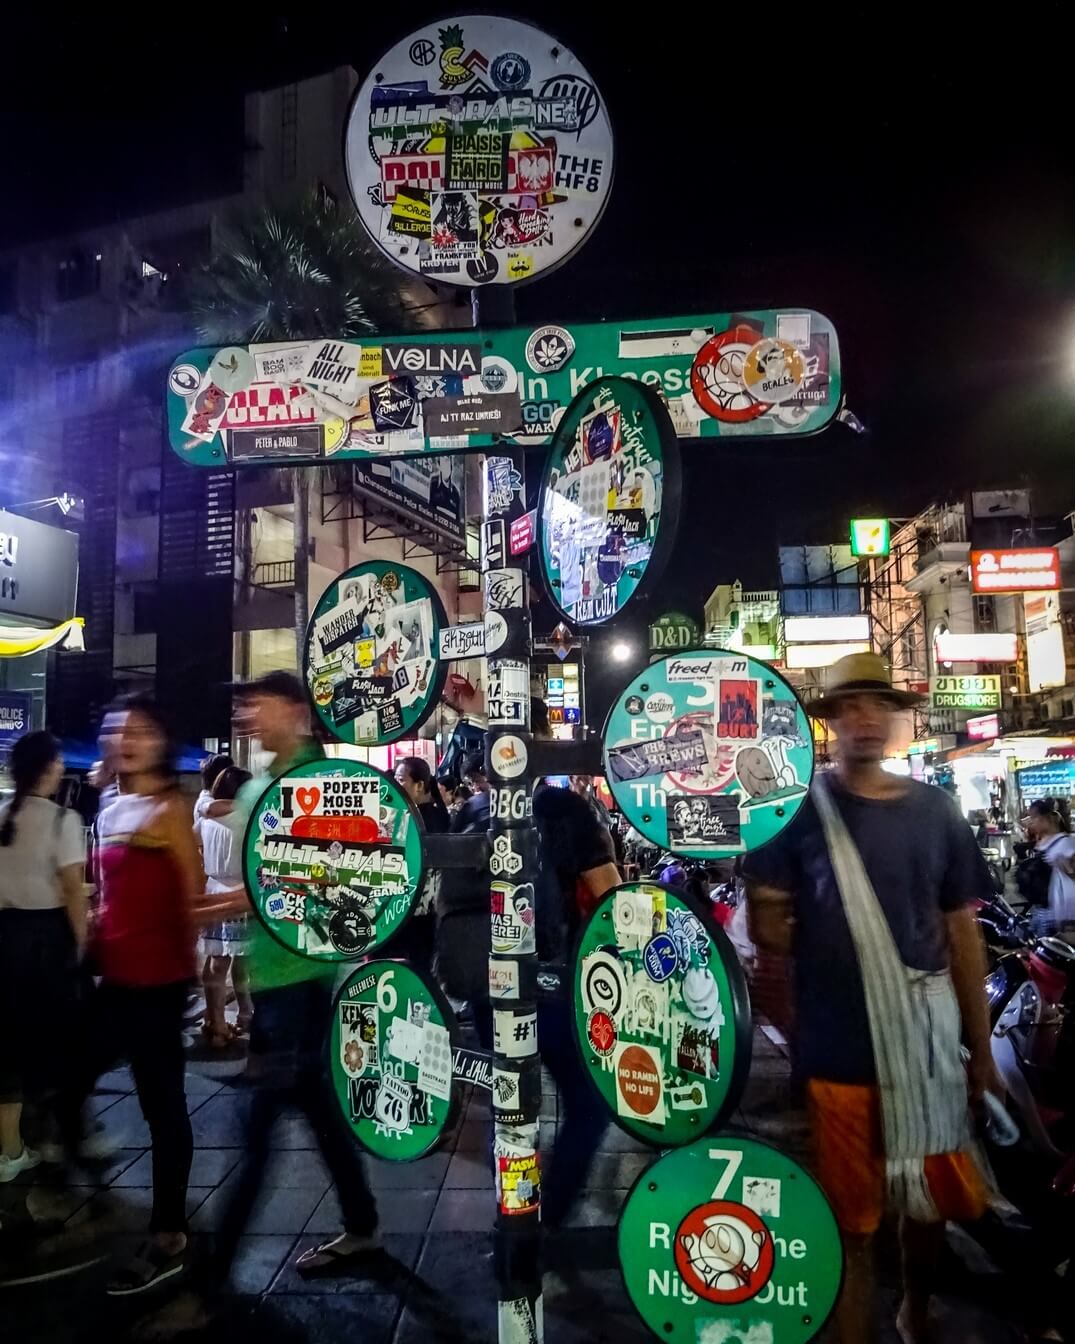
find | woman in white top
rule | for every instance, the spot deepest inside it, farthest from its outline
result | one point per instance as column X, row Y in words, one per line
column 42, row 935
column 219, row 830
column 1048, row 824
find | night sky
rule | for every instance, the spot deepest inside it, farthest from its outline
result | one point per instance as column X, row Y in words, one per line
column 914, row 182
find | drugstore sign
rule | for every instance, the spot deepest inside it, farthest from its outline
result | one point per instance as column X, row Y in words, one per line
column 971, row 692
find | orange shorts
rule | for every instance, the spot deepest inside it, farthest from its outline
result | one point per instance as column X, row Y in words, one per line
column 850, row 1161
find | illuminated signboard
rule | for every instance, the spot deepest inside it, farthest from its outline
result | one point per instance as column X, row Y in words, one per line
column 799, row 656
column 964, row 692
column 814, row 629
column 870, row 536
column 981, row 729
column 949, row 647
column 1021, row 571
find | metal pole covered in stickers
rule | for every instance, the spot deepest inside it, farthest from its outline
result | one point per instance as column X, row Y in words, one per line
column 513, row 861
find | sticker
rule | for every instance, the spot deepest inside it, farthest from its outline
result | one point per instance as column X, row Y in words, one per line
column 358, row 1038
column 518, row 1181
column 603, row 984
column 683, row 751
column 435, row 1070
column 774, row 371
column 639, row 1083
column 472, row 1066
column 660, row 958
column 523, row 532
column 601, row 1033
column 634, row 704
column 717, row 377
column 660, row 707
column 496, row 632
column 503, row 979
column 497, row 375
column 504, row 859
column 737, row 707
column 494, row 544
column 506, row 1090
column 433, row 360
column 510, row 71
column 549, row 349
column 463, row 641
column 394, row 404
column 393, row 1106
column 232, row 369
column 339, row 873
column 480, row 413
column 507, row 693
column 504, row 589
column 762, row 1195
column 632, row 916
column 332, row 368
column 520, row 265
column 507, row 756
column 184, row 380
column 515, row 1140
column 696, row 1047
column 507, row 805
column 514, row 1034
column 205, row 410
column 516, row 1323
column 512, row 918
column 700, row 994
column 724, row 1252
column 701, row 821
column 502, row 484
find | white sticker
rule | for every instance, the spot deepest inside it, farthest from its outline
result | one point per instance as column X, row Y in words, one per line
column 762, row 1194
column 549, row 349
column 515, row 1140
column 503, row 979
column 603, row 984
column 495, row 632
column 332, row 368
column 512, row 918
column 463, row 641
column 505, row 1090
column 504, row 589
column 639, row 1076
column 435, row 1071
column 699, row 669
column 507, row 756
column 404, row 1041
column 517, row 1324
column 393, row 1105
column 514, row 1034
column 504, row 859
column 660, row 707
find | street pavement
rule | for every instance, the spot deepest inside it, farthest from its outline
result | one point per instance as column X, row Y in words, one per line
column 434, row 1280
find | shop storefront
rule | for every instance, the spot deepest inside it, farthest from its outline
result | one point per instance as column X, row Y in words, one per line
column 38, row 587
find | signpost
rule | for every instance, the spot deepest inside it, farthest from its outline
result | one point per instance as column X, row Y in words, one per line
column 332, row 859
column 708, row 754
column 728, row 1239
column 662, row 1015
column 373, row 663
column 391, row 1060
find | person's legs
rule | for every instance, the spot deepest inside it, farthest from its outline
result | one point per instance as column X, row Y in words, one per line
column 215, row 984
column 240, row 978
column 158, row 1065
column 583, row 1120
column 921, row 1245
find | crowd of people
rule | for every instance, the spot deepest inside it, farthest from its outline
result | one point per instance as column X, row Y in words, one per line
column 870, row 892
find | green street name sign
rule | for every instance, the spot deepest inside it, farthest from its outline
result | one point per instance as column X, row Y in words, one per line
column 728, row 1239
column 970, row 692
column 764, row 372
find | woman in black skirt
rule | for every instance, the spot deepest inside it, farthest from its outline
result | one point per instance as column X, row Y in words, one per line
column 42, row 934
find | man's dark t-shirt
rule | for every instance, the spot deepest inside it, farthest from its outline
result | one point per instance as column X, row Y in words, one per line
column 572, row 842
column 923, row 862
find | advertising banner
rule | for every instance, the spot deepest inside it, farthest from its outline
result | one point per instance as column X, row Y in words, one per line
column 271, row 403
column 15, row 712
column 427, row 490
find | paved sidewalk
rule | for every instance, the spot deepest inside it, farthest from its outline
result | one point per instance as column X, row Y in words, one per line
column 435, row 1280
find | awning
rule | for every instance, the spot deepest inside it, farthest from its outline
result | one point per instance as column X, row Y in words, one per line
column 16, row 641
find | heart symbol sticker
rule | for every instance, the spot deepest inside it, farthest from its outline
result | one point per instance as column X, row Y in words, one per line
column 308, row 799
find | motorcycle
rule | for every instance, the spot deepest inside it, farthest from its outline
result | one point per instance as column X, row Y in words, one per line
column 1007, row 937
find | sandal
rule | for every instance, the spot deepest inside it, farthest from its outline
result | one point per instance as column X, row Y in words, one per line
column 149, row 1266
column 331, row 1258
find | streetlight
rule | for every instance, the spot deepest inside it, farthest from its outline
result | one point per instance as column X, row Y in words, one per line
column 621, row 651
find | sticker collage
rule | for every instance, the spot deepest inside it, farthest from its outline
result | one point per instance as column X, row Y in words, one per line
column 708, row 754
column 332, row 859
column 658, row 1001
column 373, row 665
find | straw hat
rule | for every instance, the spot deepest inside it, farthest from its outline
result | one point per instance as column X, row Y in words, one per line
column 855, row 673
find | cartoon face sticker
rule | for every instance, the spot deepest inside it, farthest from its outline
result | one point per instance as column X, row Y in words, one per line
column 717, row 377
column 724, row 1252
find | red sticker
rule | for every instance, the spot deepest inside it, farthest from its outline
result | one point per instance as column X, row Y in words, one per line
column 639, row 1081
column 724, row 1252
column 717, row 377
column 601, row 1031
column 360, row 830
column 308, row 799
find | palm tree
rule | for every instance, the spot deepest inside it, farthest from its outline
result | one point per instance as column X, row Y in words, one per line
column 298, row 272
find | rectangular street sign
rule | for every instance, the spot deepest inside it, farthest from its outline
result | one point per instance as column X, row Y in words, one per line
column 1027, row 570
column 970, row 692
column 456, row 391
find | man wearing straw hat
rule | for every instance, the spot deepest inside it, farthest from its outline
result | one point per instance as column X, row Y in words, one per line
column 871, row 893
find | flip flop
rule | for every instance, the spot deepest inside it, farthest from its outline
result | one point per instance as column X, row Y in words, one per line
column 145, row 1270
column 324, row 1261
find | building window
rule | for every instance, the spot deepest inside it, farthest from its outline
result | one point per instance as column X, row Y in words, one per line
column 78, row 274
column 77, row 383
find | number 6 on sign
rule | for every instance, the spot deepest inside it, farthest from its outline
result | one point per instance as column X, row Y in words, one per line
column 734, row 1159
column 386, row 993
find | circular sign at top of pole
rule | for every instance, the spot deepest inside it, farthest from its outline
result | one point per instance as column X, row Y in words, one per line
column 708, row 754
column 609, row 500
column 372, row 658
column 662, row 1015
column 728, row 1239
column 332, row 859
column 479, row 150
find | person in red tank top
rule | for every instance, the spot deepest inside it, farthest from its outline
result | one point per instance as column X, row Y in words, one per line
column 149, row 879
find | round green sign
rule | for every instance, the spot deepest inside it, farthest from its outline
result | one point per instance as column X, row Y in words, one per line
column 730, row 1240
column 372, row 659
column 391, row 1059
column 662, row 1015
column 708, row 754
column 609, row 499
column 332, row 859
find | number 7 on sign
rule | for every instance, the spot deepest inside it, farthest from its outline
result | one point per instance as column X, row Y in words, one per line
column 733, row 1159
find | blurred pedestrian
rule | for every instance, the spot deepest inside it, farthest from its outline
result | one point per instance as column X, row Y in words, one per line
column 462, row 910
column 150, row 878
column 210, row 770
column 415, row 941
column 1048, row 826
column 871, row 891
column 42, row 937
column 219, row 832
column 415, row 778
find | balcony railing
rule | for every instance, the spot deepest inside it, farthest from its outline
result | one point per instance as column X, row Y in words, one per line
column 274, row 574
